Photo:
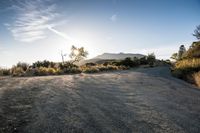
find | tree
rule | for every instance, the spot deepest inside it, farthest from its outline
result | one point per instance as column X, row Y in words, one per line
column 197, row 32
column 63, row 55
column 174, row 56
column 181, row 52
column 77, row 54
column 23, row 65
column 127, row 62
column 151, row 59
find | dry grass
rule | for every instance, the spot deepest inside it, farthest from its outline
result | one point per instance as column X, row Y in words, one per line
column 188, row 63
column 189, row 70
column 196, row 77
column 101, row 68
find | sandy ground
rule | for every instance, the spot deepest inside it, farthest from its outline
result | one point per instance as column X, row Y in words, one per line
column 141, row 101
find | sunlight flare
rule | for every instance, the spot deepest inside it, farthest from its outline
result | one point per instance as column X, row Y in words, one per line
column 63, row 35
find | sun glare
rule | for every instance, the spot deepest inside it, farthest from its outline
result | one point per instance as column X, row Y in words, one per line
column 76, row 52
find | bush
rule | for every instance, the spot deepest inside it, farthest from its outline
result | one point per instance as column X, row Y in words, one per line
column 151, row 59
column 123, row 68
column 127, row 62
column 31, row 72
column 17, row 71
column 90, row 64
column 44, row 63
column 111, row 67
column 42, row 71
column 4, row 72
column 90, row 70
column 67, row 65
column 101, row 68
column 72, row 70
column 143, row 61
column 23, row 65
column 193, row 51
column 178, row 73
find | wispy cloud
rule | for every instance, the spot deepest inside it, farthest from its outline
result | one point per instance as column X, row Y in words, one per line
column 113, row 18
column 61, row 34
column 32, row 19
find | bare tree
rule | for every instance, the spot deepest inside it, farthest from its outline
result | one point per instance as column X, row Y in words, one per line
column 77, row 54
column 63, row 55
column 174, row 56
column 197, row 32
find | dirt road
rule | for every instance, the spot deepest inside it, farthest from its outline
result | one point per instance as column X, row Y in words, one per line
column 143, row 100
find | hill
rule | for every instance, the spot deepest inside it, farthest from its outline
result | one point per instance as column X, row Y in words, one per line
column 118, row 56
column 110, row 57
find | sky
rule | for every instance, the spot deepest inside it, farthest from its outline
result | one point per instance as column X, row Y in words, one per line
column 32, row 30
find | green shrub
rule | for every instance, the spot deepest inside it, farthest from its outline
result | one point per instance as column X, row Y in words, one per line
column 127, row 62
column 143, row 61
column 151, row 59
column 44, row 63
column 23, row 65
column 90, row 64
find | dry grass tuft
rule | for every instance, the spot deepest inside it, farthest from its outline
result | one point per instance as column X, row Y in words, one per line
column 196, row 77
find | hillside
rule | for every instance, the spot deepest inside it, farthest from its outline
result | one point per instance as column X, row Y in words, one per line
column 110, row 56
column 118, row 56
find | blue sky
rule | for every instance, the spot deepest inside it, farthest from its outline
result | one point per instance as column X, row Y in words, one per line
column 40, row 29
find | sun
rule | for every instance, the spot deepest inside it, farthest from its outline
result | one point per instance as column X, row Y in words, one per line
column 76, row 52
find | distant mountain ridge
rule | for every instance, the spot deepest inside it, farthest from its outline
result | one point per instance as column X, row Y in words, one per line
column 110, row 56
column 118, row 56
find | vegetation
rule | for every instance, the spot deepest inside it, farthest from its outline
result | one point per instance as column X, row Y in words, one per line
column 180, row 55
column 196, row 77
column 43, row 68
column 77, row 54
column 193, row 51
column 151, row 59
column 4, row 72
column 197, row 32
column 174, row 56
column 101, row 68
column 188, row 66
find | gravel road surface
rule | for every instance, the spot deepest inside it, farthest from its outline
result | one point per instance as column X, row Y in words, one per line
column 145, row 100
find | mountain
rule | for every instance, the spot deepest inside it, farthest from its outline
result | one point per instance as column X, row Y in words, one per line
column 118, row 56
column 110, row 57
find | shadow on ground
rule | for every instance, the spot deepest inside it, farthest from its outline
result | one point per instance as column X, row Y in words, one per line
column 142, row 100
